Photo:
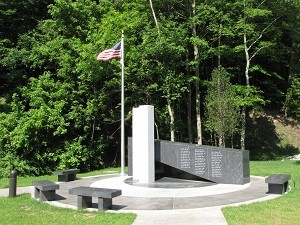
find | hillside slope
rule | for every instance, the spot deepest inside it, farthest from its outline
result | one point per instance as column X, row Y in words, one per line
column 271, row 136
column 289, row 132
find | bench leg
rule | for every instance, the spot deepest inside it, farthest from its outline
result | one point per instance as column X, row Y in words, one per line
column 84, row 202
column 104, row 204
column 67, row 177
column 36, row 193
column 71, row 176
column 62, row 178
column 286, row 186
column 47, row 195
column 277, row 188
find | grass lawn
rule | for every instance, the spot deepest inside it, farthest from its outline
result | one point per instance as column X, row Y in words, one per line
column 27, row 181
column 25, row 210
column 283, row 210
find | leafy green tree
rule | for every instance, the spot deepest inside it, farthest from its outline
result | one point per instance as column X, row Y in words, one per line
column 164, row 62
column 255, row 40
column 16, row 18
column 45, row 132
column 290, row 51
column 222, row 110
column 38, row 124
column 211, row 27
column 49, row 71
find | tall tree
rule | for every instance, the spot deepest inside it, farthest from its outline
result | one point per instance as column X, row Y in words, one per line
column 197, row 74
column 222, row 110
column 253, row 42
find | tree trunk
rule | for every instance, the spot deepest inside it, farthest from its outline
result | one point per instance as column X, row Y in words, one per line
column 198, row 113
column 172, row 120
column 189, row 116
column 198, row 94
column 154, row 16
column 243, row 128
column 222, row 141
column 157, row 133
column 189, row 101
column 247, row 61
column 219, row 45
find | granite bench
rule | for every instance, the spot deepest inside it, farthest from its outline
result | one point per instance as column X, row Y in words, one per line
column 44, row 190
column 104, row 196
column 278, row 183
column 66, row 175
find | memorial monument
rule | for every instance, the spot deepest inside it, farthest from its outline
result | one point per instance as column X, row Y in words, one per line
column 143, row 169
column 150, row 159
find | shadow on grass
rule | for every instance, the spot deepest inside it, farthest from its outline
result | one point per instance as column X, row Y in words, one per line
column 263, row 141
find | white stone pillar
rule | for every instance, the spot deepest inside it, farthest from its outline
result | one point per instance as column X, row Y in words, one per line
column 143, row 144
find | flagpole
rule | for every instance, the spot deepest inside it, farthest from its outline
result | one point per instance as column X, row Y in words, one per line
column 122, row 110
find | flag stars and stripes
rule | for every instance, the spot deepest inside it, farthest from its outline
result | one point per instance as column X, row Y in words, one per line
column 112, row 53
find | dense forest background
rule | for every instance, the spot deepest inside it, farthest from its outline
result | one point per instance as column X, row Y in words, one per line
column 208, row 67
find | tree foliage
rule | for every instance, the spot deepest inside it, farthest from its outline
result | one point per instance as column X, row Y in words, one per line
column 60, row 108
column 222, row 109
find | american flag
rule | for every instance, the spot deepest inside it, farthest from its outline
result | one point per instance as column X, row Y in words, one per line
column 112, row 53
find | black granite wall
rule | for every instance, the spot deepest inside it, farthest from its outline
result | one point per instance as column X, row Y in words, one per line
column 220, row 165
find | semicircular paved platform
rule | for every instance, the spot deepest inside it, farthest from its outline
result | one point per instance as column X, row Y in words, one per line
column 145, row 198
column 149, row 192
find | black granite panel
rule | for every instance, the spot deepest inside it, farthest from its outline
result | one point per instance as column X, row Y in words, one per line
column 216, row 159
column 220, row 165
column 246, row 167
column 201, row 165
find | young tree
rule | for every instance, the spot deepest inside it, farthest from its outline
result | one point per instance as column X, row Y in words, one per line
column 221, row 109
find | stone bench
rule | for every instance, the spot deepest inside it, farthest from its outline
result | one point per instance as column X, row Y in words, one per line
column 44, row 190
column 278, row 183
column 104, row 196
column 66, row 175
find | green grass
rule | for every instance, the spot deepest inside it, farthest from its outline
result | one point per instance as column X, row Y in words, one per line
column 25, row 210
column 266, row 168
column 27, row 181
column 100, row 172
column 283, row 210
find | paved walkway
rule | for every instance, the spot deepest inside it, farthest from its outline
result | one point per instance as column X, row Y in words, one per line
column 164, row 205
